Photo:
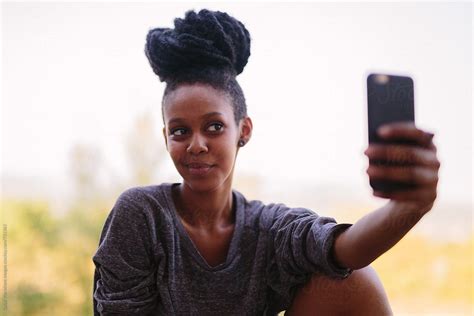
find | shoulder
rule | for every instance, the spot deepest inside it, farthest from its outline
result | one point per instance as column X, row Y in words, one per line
column 138, row 210
column 266, row 214
column 141, row 201
column 275, row 210
column 141, row 196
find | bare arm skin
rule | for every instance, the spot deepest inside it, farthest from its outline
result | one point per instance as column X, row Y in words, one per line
column 374, row 234
column 381, row 229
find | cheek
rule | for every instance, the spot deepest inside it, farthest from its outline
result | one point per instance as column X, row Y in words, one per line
column 176, row 150
column 224, row 153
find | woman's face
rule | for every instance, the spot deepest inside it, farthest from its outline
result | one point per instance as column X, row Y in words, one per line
column 201, row 135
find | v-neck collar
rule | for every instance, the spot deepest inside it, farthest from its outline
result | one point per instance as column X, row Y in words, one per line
column 188, row 242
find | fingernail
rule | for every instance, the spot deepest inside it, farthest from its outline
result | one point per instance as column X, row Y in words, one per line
column 384, row 130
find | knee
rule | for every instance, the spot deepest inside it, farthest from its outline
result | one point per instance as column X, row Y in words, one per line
column 361, row 293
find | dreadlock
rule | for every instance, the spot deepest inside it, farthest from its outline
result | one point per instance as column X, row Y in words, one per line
column 208, row 47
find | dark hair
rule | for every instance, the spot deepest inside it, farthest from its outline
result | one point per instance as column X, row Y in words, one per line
column 208, row 47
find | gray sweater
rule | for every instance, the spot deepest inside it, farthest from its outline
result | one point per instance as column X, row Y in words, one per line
column 146, row 263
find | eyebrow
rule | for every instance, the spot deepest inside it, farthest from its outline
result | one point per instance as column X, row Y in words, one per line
column 176, row 119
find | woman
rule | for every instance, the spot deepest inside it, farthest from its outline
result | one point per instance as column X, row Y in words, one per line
column 200, row 247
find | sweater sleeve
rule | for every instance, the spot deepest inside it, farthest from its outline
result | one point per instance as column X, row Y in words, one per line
column 302, row 244
column 125, row 274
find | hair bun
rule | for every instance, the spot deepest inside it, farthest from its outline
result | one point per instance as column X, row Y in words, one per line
column 208, row 39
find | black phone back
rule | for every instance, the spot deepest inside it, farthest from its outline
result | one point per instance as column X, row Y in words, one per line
column 390, row 99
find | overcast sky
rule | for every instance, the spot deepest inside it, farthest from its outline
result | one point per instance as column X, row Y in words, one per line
column 76, row 73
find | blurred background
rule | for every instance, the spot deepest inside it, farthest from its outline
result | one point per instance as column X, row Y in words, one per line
column 81, row 122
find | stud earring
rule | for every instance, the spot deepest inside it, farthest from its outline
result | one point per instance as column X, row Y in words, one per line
column 241, row 143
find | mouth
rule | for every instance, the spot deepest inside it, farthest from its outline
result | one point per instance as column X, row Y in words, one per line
column 199, row 169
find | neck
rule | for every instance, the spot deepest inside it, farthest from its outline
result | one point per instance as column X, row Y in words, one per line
column 208, row 210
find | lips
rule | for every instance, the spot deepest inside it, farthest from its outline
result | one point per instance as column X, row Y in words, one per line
column 198, row 165
column 198, row 169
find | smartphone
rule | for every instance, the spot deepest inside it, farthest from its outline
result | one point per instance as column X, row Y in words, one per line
column 390, row 98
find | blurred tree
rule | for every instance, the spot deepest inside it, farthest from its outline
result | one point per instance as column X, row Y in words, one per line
column 34, row 239
column 144, row 150
column 85, row 165
column 49, row 258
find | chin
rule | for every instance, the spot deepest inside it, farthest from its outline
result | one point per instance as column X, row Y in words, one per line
column 203, row 183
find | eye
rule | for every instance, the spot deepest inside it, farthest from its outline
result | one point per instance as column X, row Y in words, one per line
column 215, row 127
column 178, row 132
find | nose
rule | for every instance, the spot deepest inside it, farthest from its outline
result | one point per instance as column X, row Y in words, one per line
column 197, row 145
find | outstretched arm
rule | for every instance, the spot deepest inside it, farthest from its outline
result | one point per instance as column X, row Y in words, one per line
column 381, row 229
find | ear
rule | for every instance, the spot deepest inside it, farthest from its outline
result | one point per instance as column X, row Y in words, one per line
column 166, row 139
column 246, row 127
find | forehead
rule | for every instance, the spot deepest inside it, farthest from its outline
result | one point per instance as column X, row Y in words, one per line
column 193, row 101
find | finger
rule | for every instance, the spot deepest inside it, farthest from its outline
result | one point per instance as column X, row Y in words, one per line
column 405, row 174
column 402, row 154
column 428, row 194
column 404, row 131
column 432, row 146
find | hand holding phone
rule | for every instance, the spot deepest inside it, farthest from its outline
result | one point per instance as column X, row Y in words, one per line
column 390, row 99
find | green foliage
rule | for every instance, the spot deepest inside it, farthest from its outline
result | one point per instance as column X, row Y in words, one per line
column 33, row 219
column 50, row 268
column 32, row 301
